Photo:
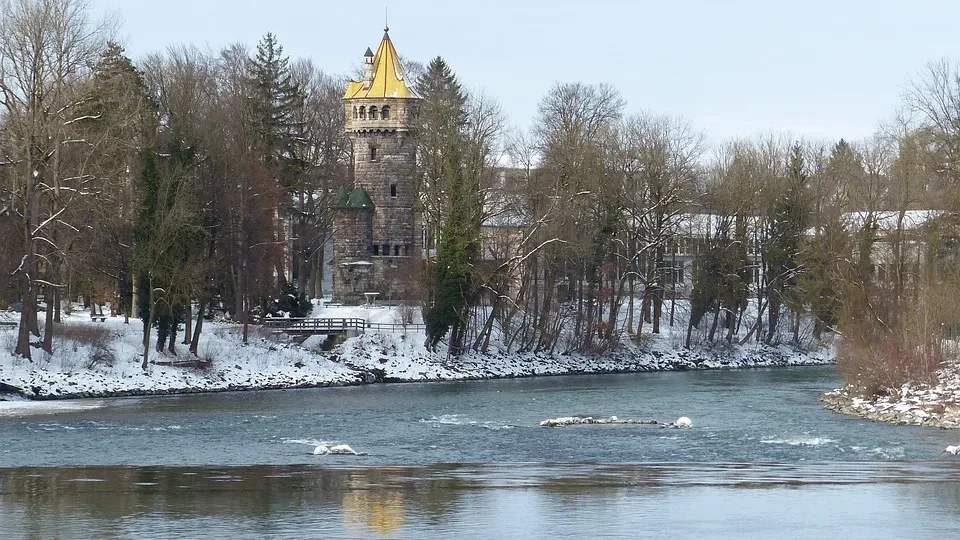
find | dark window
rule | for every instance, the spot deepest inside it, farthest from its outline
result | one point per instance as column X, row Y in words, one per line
column 385, row 112
column 386, row 250
column 393, row 190
column 363, row 113
column 406, row 250
column 376, row 250
column 373, row 153
column 396, row 250
column 355, row 113
column 373, row 113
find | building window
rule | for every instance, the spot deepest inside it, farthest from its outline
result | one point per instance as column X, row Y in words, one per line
column 376, row 250
column 396, row 250
column 385, row 112
column 363, row 113
column 393, row 190
column 373, row 153
column 406, row 250
column 355, row 113
column 373, row 113
column 386, row 250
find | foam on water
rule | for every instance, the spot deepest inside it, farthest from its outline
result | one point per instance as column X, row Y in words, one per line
column 458, row 420
column 36, row 408
column 310, row 442
column 800, row 441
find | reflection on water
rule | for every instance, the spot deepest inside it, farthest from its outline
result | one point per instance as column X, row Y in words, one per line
column 764, row 500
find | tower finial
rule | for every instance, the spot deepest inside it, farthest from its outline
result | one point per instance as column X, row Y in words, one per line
column 386, row 19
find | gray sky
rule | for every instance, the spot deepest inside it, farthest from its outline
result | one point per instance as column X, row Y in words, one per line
column 735, row 68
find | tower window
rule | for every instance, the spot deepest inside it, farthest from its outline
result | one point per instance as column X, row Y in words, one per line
column 396, row 250
column 355, row 113
column 385, row 112
column 373, row 113
column 386, row 250
column 373, row 153
column 393, row 190
column 376, row 250
column 363, row 113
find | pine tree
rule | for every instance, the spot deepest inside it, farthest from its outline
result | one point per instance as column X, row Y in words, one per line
column 455, row 289
column 787, row 224
column 442, row 116
column 276, row 97
column 122, row 114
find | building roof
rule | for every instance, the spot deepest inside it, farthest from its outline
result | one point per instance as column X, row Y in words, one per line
column 389, row 80
column 356, row 198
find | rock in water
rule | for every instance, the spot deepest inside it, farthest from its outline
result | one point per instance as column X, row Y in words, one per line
column 953, row 450
column 682, row 422
column 589, row 420
column 341, row 449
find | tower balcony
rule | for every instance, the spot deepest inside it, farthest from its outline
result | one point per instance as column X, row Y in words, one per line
column 379, row 115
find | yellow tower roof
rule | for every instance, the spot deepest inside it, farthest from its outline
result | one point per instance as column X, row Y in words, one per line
column 389, row 80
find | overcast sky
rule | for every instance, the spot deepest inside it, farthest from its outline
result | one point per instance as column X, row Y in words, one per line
column 735, row 68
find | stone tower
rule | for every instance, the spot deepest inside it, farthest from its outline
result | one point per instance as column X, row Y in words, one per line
column 376, row 246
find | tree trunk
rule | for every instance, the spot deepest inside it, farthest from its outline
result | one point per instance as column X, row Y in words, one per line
column 56, row 305
column 195, row 341
column 171, row 344
column 148, row 325
column 187, row 324
column 713, row 326
column 163, row 328
column 32, row 314
column 48, row 323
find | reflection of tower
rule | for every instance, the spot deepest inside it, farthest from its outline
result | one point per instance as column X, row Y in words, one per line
column 374, row 228
column 377, row 510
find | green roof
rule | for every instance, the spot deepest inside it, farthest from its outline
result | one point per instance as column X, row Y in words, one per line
column 357, row 198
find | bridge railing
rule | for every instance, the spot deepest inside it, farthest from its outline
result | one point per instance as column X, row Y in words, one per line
column 335, row 325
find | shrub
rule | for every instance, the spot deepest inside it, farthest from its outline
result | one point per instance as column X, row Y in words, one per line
column 73, row 338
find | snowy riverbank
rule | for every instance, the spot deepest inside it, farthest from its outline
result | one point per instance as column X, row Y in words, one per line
column 103, row 359
column 933, row 405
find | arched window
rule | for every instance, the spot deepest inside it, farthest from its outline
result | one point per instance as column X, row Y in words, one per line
column 373, row 112
column 355, row 113
column 385, row 112
column 363, row 113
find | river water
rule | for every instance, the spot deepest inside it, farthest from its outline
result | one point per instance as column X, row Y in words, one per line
column 470, row 460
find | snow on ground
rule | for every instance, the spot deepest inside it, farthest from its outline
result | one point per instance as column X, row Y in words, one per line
column 936, row 405
column 103, row 359
column 402, row 356
column 71, row 372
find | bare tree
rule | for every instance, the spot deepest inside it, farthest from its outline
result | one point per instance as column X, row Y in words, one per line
column 46, row 50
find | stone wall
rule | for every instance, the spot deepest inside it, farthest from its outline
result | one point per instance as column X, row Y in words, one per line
column 353, row 271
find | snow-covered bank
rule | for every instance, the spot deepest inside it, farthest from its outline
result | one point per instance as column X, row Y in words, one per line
column 400, row 358
column 103, row 359
column 936, row 405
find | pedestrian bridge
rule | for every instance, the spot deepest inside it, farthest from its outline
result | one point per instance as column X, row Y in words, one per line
column 335, row 326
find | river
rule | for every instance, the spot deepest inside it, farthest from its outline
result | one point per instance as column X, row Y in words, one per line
column 470, row 460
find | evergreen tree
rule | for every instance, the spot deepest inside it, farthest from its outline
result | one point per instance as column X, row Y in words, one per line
column 276, row 98
column 168, row 232
column 442, row 117
column 786, row 225
column 455, row 289
column 123, row 117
